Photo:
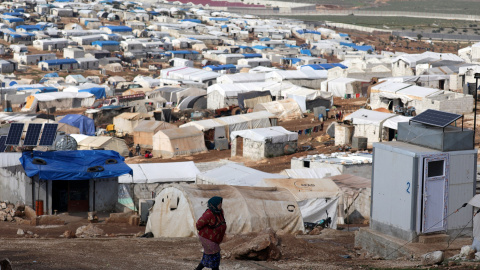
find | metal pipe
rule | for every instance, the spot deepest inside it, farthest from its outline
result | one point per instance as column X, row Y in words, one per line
column 477, row 76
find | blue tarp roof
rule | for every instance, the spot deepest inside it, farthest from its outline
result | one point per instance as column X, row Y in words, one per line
column 105, row 42
column 99, row 92
column 31, row 27
column 306, row 31
column 85, row 124
column 252, row 55
column 51, row 75
column 291, row 46
column 191, row 20
column 220, row 19
column 265, row 39
column 294, row 60
column 16, row 14
column 244, row 47
column 42, row 89
column 60, row 61
column 183, row 52
column 18, row 10
column 325, row 66
column 306, row 51
column 74, row 165
column 343, row 35
column 260, row 47
column 363, row 48
column 221, row 67
column 120, row 28
column 13, row 19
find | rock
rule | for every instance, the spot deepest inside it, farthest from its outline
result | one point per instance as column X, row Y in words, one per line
column 36, row 236
column 3, row 216
column 9, row 217
column 5, row 265
column 20, row 232
column 452, row 263
column 263, row 247
column 432, row 258
column 30, row 213
column 88, row 231
column 69, row 234
column 315, row 231
column 465, row 251
column 92, row 217
column 3, row 205
column 119, row 217
column 134, row 220
column 29, row 232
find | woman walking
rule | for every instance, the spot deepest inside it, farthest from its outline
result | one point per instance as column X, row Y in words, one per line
column 211, row 229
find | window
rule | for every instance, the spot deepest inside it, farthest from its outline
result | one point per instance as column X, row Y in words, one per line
column 435, row 168
column 306, row 163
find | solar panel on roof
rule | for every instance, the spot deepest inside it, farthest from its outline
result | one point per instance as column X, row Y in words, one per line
column 15, row 134
column 436, row 118
column 48, row 135
column 33, row 133
column 3, row 139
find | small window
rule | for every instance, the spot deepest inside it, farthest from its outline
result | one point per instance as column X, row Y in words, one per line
column 435, row 168
column 306, row 163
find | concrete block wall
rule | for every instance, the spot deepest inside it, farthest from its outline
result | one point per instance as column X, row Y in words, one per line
column 343, row 134
column 371, row 132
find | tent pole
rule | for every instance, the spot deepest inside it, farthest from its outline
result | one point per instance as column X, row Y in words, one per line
column 93, row 195
column 33, row 193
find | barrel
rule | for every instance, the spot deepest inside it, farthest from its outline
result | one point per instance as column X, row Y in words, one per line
column 39, row 207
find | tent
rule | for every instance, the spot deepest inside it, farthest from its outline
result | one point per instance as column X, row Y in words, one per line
column 148, row 173
column 104, row 142
column 145, row 129
column 85, row 124
column 68, row 129
column 177, row 208
column 126, row 122
column 234, row 174
column 285, row 110
column 178, row 142
column 317, row 198
column 74, row 165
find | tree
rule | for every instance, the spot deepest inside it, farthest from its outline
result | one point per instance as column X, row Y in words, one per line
column 419, row 37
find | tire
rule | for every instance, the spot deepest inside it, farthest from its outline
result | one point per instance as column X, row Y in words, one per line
column 236, row 111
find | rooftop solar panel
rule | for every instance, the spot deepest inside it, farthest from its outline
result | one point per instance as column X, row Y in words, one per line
column 48, row 135
column 3, row 139
column 436, row 118
column 33, row 133
column 15, row 134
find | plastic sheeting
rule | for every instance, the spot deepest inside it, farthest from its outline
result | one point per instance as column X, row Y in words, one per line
column 85, row 124
column 171, row 172
column 285, row 110
column 234, row 174
column 311, row 172
column 74, row 165
column 368, row 117
column 274, row 134
column 177, row 142
column 177, row 209
column 393, row 122
column 104, row 142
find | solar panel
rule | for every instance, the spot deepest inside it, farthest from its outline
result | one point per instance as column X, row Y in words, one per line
column 49, row 134
column 15, row 134
column 436, row 118
column 33, row 133
column 3, row 139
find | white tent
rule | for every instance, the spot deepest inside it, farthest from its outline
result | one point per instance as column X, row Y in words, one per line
column 234, row 174
column 170, row 172
column 286, row 109
column 274, row 134
column 311, row 172
column 247, row 209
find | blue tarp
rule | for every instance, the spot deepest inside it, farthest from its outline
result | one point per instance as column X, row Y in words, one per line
column 121, row 28
column 183, row 52
column 363, row 48
column 293, row 60
column 306, row 31
column 343, row 35
column 31, row 27
column 191, row 20
column 261, row 47
column 45, row 89
column 51, row 75
column 85, row 124
column 221, row 67
column 13, row 19
column 252, row 55
column 105, row 43
column 74, row 165
column 306, row 51
column 325, row 66
column 60, row 61
column 220, row 19
column 15, row 14
column 265, row 39
column 348, row 44
column 99, row 92
column 291, row 46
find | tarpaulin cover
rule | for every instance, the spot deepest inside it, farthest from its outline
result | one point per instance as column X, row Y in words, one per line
column 85, row 124
column 242, row 97
column 275, row 134
column 99, row 92
column 74, row 165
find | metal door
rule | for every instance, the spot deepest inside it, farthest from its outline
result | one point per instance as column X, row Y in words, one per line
column 435, row 193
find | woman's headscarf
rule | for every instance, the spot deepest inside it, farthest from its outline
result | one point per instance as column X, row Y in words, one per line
column 213, row 204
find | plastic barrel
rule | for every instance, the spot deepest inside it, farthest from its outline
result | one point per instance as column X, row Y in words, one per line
column 39, row 207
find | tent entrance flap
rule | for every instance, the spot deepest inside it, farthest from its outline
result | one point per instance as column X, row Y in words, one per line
column 70, row 196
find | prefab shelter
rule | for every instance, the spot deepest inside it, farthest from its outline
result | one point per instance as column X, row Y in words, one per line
column 260, row 143
column 177, row 209
column 144, row 131
column 234, row 174
column 169, row 143
column 104, row 143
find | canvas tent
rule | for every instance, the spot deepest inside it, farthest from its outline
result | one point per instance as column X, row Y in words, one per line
column 178, row 142
column 59, row 100
column 177, row 208
column 284, row 110
column 144, row 131
column 126, row 122
column 317, row 198
column 234, row 174
column 104, row 142
column 171, row 172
